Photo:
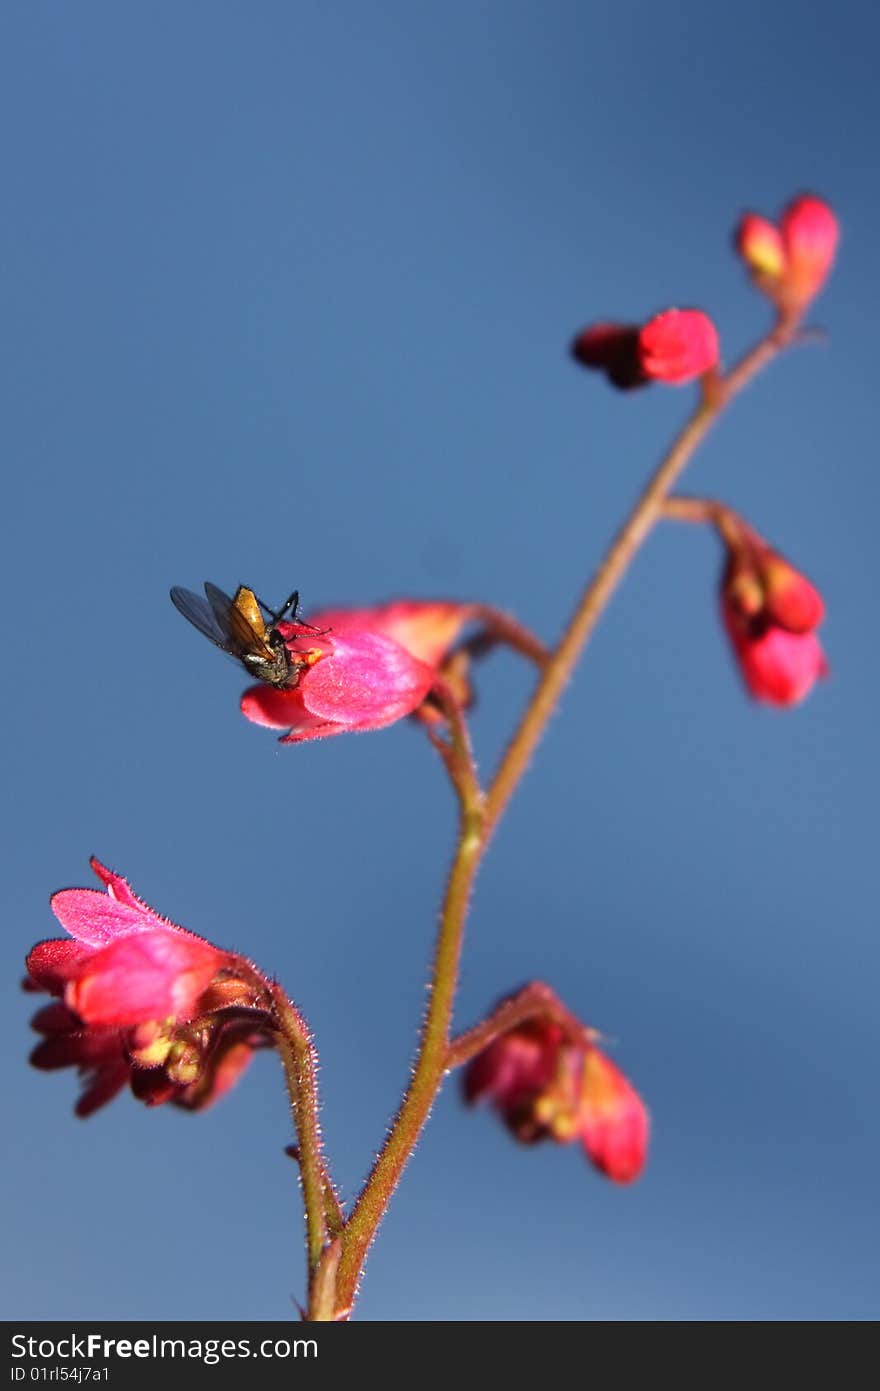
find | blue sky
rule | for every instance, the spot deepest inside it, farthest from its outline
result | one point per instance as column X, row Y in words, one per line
column 287, row 296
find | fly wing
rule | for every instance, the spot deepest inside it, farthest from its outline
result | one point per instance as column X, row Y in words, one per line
column 240, row 634
column 202, row 616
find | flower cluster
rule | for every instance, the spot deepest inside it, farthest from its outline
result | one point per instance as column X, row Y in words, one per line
column 548, row 1080
column 141, row 1001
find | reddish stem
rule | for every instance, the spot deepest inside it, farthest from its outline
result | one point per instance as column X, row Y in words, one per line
column 534, row 1001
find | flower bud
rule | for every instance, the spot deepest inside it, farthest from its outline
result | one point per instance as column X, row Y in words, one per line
column 678, row 346
column 790, row 263
column 770, row 611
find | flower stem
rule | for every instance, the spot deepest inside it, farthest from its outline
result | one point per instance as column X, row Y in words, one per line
column 703, row 511
column 535, row 1000
column 430, row 1064
column 502, row 629
column 700, row 511
column 322, row 1295
column 479, row 818
column 456, row 751
column 323, row 1214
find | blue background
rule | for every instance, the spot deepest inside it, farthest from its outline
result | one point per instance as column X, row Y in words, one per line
column 286, row 298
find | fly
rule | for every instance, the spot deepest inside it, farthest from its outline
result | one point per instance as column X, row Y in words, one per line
column 238, row 627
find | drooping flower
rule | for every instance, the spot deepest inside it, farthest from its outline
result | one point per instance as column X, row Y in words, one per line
column 124, row 964
column 547, row 1081
column 770, row 612
column 790, row 263
column 676, row 346
column 140, row 1000
column 366, row 668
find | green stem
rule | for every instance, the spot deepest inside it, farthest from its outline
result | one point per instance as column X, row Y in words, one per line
column 430, row 1063
column 323, row 1214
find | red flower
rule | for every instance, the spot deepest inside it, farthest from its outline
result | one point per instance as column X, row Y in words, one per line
column 676, row 346
column 140, row 1000
column 547, row 1081
column 770, row 611
column 791, row 262
column 125, row 963
column 368, row 668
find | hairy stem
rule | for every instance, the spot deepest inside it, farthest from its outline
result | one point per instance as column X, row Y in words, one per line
column 430, row 1063
column 322, row 1211
column 534, row 1001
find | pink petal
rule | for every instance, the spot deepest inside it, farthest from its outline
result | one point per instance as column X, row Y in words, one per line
column 274, row 709
column 810, row 232
column 368, row 681
column 618, row 1147
column 147, row 976
column 614, row 1120
column 96, row 919
column 781, row 668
